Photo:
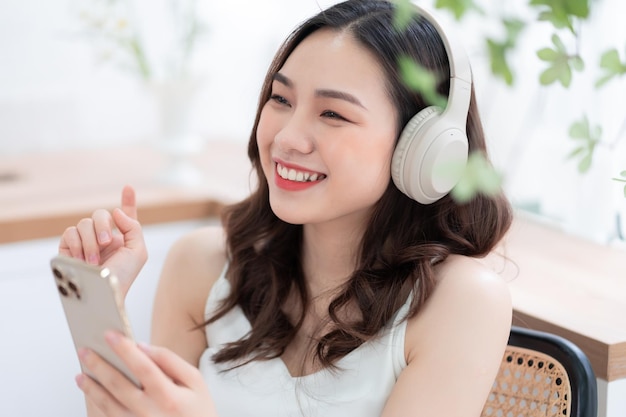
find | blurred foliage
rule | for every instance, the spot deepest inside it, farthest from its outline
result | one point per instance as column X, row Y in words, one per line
column 457, row 7
column 562, row 13
column 612, row 66
column 421, row 79
column 586, row 138
column 622, row 179
column 111, row 26
column 479, row 177
column 565, row 17
column 561, row 63
column 499, row 50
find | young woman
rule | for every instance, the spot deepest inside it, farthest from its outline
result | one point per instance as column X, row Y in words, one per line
column 328, row 292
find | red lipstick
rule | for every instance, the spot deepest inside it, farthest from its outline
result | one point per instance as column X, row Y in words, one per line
column 289, row 185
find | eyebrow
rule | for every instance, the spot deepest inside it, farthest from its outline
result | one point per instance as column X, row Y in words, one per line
column 340, row 95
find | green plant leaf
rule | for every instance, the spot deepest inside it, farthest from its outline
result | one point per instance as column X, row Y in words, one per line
column 612, row 66
column 561, row 63
column 585, row 163
column 499, row 64
column 547, row 54
column 479, row 177
column 622, row 179
column 561, row 13
column 457, row 7
column 550, row 75
column 421, row 80
column 513, row 29
column 559, row 21
column 577, row 63
column 587, row 137
column 580, row 129
column 577, row 151
column 403, row 14
column 565, row 75
column 558, row 43
column 578, row 8
column 611, row 62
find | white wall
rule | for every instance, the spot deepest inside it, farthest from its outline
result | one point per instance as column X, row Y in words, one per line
column 37, row 358
column 54, row 94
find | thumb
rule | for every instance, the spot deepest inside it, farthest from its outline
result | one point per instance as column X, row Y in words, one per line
column 129, row 227
column 129, row 202
column 172, row 365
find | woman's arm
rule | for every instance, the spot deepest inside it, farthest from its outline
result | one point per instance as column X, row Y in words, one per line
column 454, row 346
column 192, row 266
column 171, row 383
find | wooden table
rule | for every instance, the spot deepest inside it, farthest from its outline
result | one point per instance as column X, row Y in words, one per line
column 559, row 283
column 42, row 194
column 571, row 287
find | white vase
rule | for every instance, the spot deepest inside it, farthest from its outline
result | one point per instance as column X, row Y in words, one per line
column 174, row 102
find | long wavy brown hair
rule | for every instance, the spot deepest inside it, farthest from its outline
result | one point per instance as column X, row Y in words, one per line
column 403, row 240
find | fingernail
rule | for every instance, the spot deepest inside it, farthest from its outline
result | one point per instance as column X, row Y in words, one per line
column 93, row 259
column 104, row 237
column 145, row 347
column 112, row 337
column 80, row 380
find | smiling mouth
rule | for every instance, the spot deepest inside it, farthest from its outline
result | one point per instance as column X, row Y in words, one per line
column 298, row 176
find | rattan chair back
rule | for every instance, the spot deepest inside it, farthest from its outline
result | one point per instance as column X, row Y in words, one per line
column 542, row 375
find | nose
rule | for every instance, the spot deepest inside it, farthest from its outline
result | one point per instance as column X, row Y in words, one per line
column 296, row 135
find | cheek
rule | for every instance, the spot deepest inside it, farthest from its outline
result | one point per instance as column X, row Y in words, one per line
column 264, row 134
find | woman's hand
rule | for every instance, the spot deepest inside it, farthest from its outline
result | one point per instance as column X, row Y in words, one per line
column 95, row 241
column 171, row 386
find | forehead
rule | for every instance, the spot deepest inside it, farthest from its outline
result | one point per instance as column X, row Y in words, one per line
column 334, row 59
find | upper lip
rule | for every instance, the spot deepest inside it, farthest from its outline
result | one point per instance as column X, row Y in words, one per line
column 296, row 167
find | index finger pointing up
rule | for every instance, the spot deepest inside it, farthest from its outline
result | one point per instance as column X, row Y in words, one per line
column 129, row 204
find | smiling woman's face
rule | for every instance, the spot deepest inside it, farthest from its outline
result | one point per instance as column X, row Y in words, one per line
column 327, row 133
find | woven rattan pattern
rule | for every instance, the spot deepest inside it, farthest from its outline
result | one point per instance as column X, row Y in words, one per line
column 529, row 384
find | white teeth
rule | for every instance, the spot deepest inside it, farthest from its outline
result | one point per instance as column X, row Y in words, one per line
column 293, row 175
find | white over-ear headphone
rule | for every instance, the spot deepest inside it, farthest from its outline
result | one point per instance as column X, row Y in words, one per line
column 434, row 142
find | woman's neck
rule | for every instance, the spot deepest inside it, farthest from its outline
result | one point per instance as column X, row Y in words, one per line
column 329, row 253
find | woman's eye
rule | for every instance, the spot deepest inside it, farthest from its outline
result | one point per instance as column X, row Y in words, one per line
column 332, row 115
column 279, row 99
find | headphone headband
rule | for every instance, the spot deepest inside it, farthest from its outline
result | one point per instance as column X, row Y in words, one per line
column 435, row 140
column 460, row 69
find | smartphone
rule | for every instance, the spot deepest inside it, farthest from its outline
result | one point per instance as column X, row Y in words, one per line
column 92, row 304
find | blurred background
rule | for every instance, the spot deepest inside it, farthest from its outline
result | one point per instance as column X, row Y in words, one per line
column 101, row 74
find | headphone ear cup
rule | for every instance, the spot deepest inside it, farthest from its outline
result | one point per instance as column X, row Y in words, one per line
column 427, row 157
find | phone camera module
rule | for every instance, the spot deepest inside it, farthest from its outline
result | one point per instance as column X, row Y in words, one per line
column 65, row 285
column 62, row 290
column 72, row 285
column 57, row 274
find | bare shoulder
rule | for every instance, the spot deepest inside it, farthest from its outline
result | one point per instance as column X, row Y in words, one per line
column 469, row 278
column 200, row 253
column 455, row 343
column 193, row 264
column 470, row 299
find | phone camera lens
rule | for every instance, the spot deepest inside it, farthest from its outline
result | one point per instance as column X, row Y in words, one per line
column 63, row 290
column 74, row 288
column 57, row 274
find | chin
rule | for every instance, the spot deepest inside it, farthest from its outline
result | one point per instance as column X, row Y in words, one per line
column 288, row 216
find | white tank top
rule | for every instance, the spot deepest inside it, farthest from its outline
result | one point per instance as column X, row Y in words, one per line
column 266, row 389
